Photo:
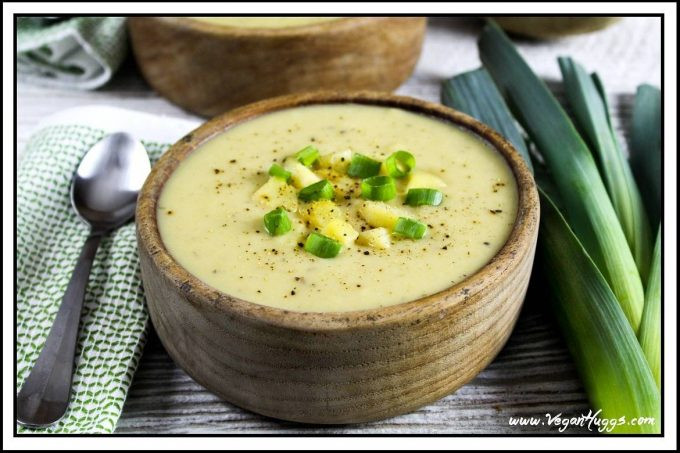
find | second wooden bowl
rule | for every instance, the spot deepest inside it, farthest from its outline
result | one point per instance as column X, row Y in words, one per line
column 335, row 367
column 208, row 68
column 552, row 27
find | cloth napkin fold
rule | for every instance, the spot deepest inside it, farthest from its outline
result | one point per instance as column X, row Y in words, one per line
column 78, row 52
column 49, row 238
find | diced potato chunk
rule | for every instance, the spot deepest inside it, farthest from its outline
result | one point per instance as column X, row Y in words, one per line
column 341, row 231
column 424, row 180
column 324, row 160
column 337, row 161
column 300, row 175
column 320, row 213
column 378, row 238
column 346, row 186
column 340, row 160
column 274, row 193
column 379, row 214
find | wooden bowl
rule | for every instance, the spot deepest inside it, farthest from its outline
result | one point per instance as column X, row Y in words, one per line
column 335, row 367
column 551, row 27
column 208, row 68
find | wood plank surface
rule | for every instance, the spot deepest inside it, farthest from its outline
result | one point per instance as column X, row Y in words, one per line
column 532, row 376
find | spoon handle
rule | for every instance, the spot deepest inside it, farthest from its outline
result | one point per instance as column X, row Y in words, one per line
column 44, row 397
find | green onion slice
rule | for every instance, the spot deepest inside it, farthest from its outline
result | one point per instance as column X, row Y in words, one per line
column 410, row 228
column 400, row 164
column 276, row 222
column 363, row 167
column 279, row 172
column 419, row 197
column 322, row 190
column 322, row 246
column 307, row 156
column 379, row 188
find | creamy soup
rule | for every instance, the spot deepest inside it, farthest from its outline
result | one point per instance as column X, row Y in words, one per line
column 264, row 22
column 211, row 210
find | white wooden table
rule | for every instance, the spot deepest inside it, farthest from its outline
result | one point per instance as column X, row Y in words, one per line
column 532, row 376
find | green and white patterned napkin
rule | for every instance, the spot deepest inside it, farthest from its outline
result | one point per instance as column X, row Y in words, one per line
column 78, row 52
column 49, row 237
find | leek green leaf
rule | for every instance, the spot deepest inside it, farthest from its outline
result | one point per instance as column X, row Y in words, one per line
column 645, row 147
column 586, row 96
column 474, row 93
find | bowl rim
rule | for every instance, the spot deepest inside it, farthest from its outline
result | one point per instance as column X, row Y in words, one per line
column 342, row 24
column 521, row 238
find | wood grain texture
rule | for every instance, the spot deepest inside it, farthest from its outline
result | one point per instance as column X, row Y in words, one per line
column 344, row 367
column 533, row 375
column 208, row 68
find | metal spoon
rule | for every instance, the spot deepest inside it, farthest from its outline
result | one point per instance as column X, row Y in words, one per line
column 103, row 194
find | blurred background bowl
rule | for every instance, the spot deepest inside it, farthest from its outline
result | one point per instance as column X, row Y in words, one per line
column 209, row 69
column 553, row 27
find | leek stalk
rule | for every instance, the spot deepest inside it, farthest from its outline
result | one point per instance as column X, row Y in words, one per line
column 609, row 358
column 587, row 205
column 650, row 327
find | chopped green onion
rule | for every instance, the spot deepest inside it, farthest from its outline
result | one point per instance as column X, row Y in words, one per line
column 379, row 188
column 645, row 148
column 400, row 164
column 419, row 197
column 363, row 167
column 650, row 327
column 307, row 156
column 576, row 176
column 409, row 228
column 586, row 96
column 322, row 246
column 276, row 222
column 321, row 190
column 279, row 172
column 474, row 93
column 606, row 352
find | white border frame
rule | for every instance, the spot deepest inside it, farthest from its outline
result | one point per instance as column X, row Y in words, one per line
column 395, row 443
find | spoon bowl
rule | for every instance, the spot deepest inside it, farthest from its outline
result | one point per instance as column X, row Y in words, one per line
column 108, row 179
